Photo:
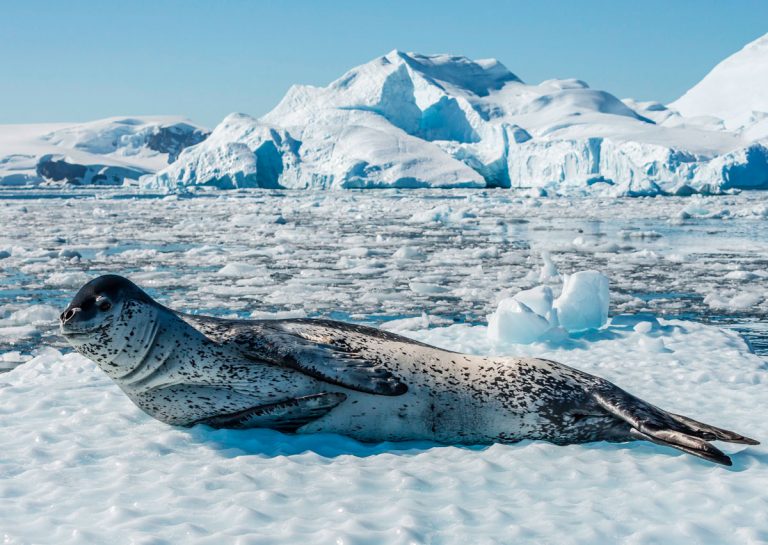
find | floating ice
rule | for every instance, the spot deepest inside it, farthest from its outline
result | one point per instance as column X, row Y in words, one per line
column 408, row 252
column 733, row 300
column 741, row 276
column 548, row 270
column 427, row 288
column 538, row 299
column 533, row 315
column 438, row 214
column 32, row 315
column 241, row 269
column 67, row 279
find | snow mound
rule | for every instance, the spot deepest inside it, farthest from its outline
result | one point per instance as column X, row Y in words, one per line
column 105, row 152
column 410, row 120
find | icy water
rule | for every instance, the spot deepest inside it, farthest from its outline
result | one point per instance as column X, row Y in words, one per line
column 376, row 256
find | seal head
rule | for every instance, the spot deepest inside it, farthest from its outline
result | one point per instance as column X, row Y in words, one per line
column 101, row 321
column 97, row 302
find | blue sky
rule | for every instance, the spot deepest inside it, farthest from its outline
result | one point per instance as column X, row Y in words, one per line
column 75, row 61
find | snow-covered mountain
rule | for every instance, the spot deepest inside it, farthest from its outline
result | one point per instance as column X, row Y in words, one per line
column 410, row 120
column 105, row 152
column 735, row 91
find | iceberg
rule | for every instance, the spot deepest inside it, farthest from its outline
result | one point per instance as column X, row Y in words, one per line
column 409, row 120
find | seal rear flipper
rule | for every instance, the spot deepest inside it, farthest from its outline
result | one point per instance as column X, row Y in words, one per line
column 287, row 415
column 650, row 423
column 711, row 433
column 686, row 443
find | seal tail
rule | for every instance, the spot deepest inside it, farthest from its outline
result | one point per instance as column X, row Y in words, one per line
column 653, row 424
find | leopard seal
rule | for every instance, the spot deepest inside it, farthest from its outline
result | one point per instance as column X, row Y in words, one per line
column 304, row 376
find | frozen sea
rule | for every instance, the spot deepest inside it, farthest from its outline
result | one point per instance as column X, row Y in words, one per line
column 81, row 464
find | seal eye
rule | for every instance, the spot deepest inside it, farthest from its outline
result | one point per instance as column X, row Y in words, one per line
column 105, row 306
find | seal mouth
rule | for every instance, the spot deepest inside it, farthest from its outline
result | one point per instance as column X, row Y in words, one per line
column 68, row 331
column 77, row 332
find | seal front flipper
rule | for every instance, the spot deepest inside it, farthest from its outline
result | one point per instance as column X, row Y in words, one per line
column 653, row 424
column 342, row 368
column 334, row 361
column 287, row 415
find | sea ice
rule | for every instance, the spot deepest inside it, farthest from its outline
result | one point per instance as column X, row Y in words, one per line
column 240, row 269
column 82, row 464
column 408, row 253
column 498, row 244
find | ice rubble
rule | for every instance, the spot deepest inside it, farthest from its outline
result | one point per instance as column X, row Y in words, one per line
column 534, row 314
column 105, row 152
column 410, row 120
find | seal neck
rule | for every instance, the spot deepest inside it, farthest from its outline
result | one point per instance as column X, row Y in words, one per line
column 132, row 341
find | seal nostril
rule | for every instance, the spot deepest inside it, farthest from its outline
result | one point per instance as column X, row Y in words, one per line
column 68, row 314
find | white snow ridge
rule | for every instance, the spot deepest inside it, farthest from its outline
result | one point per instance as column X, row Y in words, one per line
column 410, row 120
column 734, row 91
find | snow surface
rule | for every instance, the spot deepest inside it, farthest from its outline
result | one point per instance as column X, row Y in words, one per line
column 411, row 120
column 81, row 464
column 104, row 152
